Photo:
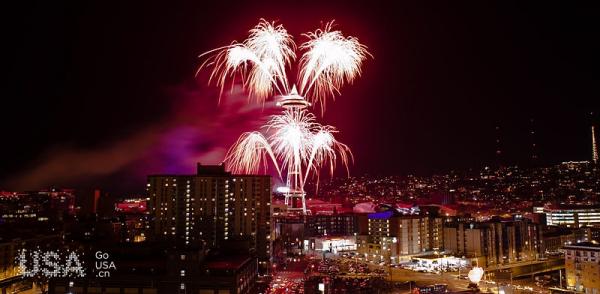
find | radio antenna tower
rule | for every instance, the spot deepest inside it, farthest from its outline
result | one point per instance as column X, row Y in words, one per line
column 594, row 146
column 534, row 147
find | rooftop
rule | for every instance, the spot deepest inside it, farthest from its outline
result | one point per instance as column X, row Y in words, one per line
column 585, row 245
column 579, row 207
column 226, row 262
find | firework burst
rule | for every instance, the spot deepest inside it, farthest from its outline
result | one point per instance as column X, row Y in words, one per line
column 295, row 143
column 292, row 141
column 260, row 61
column 329, row 61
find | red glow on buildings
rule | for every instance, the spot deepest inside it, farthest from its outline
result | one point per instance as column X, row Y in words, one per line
column 132, row 206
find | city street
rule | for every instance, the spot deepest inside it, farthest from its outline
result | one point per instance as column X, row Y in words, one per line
column 403, row 276
column 290, row 279
column 425, row 279
column 456, row 284
column 399, row 275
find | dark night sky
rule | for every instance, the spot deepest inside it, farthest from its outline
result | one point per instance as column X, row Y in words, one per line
column 84, row 76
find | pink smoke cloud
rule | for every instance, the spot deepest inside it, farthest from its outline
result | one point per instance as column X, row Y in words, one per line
column 200, row 128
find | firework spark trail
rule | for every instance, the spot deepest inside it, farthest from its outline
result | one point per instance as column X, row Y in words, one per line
column 274, row 45
column 260, row 60
column 329, row 60
column 325, row 150
column 250, row 153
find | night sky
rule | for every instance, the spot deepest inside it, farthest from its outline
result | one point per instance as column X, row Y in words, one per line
column 103, row 93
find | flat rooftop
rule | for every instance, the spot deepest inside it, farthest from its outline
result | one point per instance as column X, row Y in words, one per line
column 226, row 262
column 585, row 245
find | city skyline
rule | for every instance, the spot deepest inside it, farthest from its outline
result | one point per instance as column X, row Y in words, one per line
column 320, row 147
column 430, row 100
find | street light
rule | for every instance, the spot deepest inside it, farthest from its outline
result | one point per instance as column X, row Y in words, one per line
column 475, row 275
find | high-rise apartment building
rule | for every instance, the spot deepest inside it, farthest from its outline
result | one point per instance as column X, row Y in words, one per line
column 394, row 237
column 212, row 208
column 495, row 242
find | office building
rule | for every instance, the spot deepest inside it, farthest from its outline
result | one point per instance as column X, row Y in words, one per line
column 344, row 224
column 573, row 216
column 582, row 267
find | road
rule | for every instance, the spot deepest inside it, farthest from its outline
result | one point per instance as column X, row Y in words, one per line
column 289, row 279
column 426, row 279
column 399, row 275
